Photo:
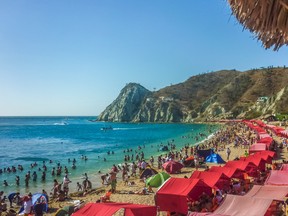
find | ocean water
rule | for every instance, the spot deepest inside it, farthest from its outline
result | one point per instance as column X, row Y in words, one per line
column 25, row 140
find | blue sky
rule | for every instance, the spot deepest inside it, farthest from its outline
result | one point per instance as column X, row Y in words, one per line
column 73, row 57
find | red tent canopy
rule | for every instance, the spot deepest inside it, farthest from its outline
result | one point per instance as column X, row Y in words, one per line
column 259, row 122
column 172, row 166
column 173, row 194
column 189, row 158
column 266, row 155
column 284, row 167
column 268, row 192
column 256, row 128
column 264, row 135
column 230, row 172
column 259, row 129
column 270, row 153
column 271, row 127
column 277, row 177
column 267, row 140
column 213, row 179
column 257, row 147
column 256, row 160
column 278, row 130
column 107, row 209
column 243, row 205
column 248, row 167
column 284, row 133
column 203, row 214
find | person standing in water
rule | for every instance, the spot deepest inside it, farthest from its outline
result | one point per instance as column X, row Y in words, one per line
column 66, row 182
column 17, row 180
column 34, row 176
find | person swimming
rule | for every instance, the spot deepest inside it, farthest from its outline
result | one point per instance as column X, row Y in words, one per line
column 73, row 166
column 17, row 179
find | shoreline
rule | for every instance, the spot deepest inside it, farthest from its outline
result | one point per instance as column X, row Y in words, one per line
column 147, row 157
column 125, row 193
column 93, row 173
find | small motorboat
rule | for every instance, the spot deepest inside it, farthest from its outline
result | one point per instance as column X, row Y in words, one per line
column 107, row 128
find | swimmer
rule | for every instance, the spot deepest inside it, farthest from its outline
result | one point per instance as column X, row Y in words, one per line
column 34, row 176
column 17, row 179
column 43, row 177
column 73, row 166
column 53, row 171
column 65, row 170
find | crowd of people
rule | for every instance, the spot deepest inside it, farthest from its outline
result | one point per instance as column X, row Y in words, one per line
column 230, row 138
column 33, row 173
column 25, row 202
column 134, row 163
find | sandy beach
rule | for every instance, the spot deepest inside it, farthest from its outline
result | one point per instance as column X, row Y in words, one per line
column 125, row 193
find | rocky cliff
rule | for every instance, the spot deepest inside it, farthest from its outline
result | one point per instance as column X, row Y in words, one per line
column 127, row 104
column 210, row 96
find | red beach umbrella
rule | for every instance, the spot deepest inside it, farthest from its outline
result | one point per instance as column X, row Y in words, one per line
column 172, row 166
column 189, row 158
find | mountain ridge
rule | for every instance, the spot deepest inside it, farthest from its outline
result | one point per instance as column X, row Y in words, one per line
column 204, row 97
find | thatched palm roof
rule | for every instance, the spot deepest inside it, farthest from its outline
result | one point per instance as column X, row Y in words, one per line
column 268, row 19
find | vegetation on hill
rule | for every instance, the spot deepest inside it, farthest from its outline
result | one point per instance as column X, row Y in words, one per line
column 208, row 96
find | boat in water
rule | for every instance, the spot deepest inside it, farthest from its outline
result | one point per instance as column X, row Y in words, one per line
column 107, row 128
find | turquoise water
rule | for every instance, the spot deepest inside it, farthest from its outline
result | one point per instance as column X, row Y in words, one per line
column 25, row 140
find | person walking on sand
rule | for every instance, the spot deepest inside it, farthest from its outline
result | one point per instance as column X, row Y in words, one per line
column 246, row 153
column 27, row 205
column 228, row 152
column 12, row 197
column 79, row 187
column 55, row 188
column 113, row 181
column 104, row 178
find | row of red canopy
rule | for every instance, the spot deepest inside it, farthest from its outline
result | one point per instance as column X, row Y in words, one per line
column 279, row 131
column 265, row 140
column 172, row 195
column 260, row 197
column 108, row 209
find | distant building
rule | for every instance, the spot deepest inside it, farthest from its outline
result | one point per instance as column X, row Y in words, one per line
column 166, row 99
column 262, row 99
column 150, row 99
